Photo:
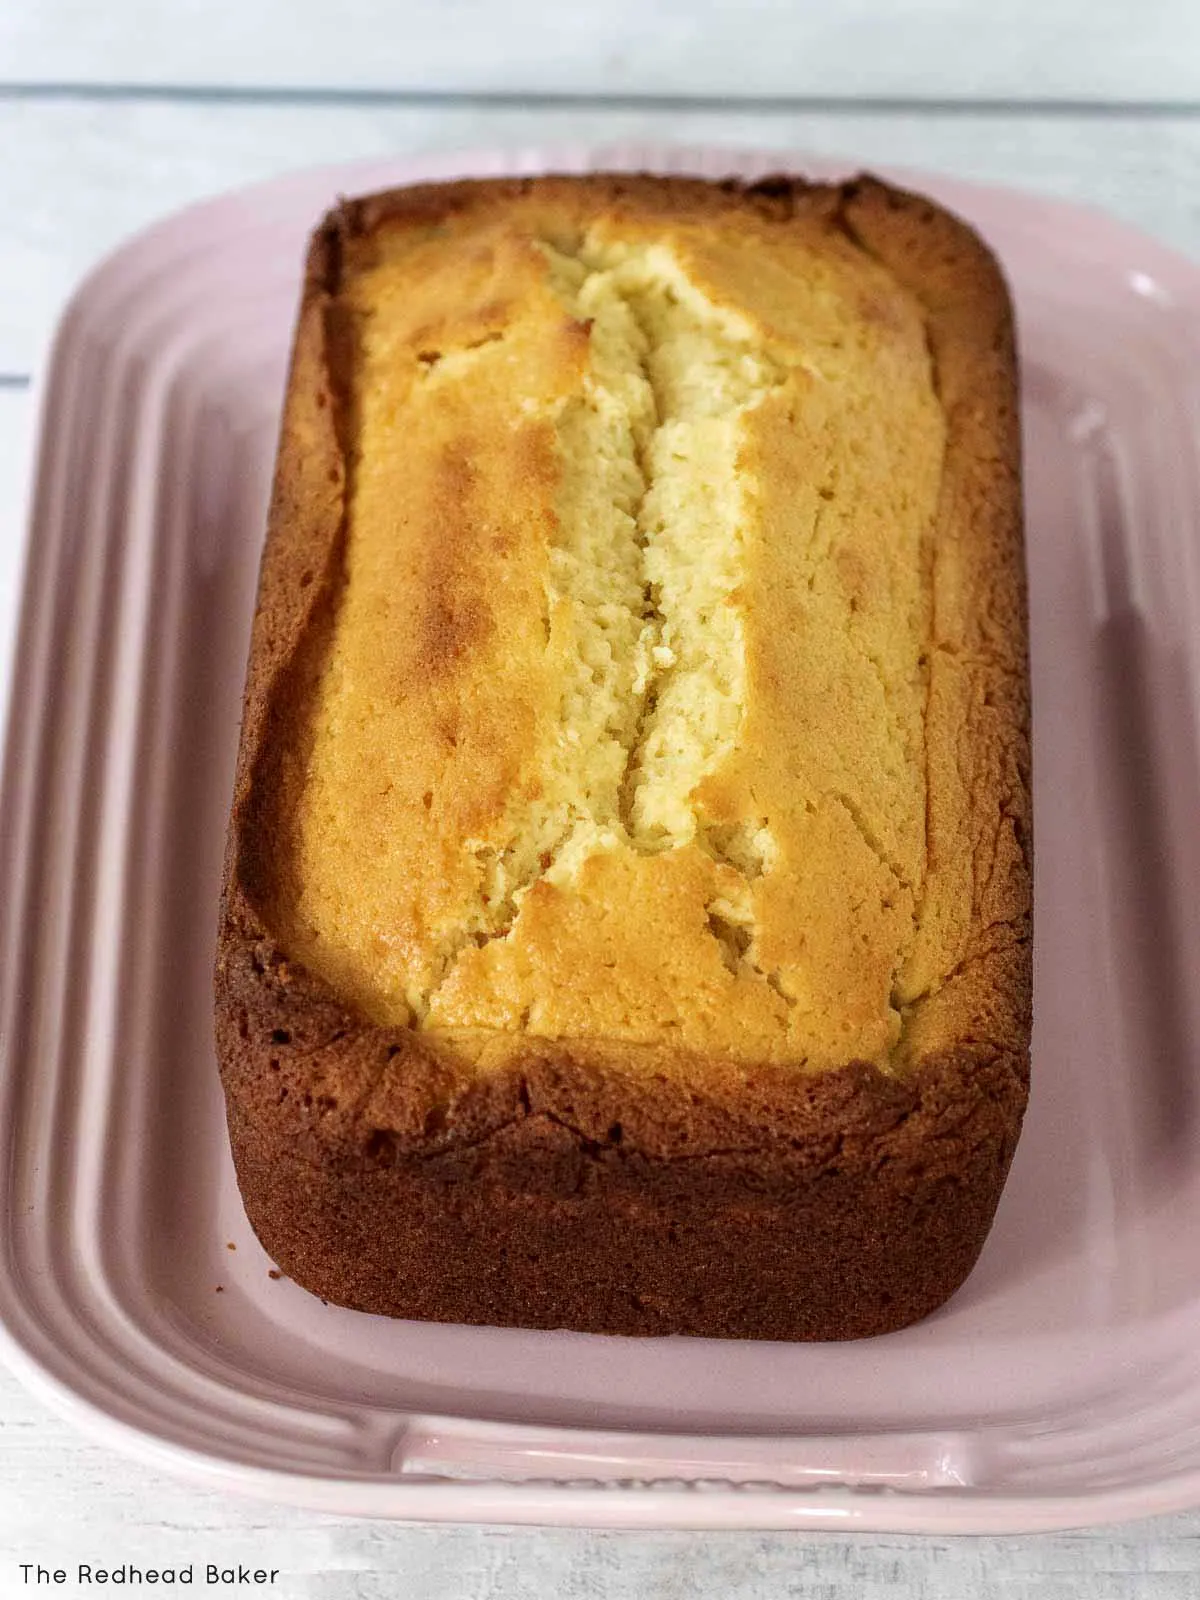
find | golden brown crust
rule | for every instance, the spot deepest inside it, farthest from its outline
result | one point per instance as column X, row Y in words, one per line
column 640, row 1189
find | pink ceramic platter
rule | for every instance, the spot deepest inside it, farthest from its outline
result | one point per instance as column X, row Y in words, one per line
column 1060, row 1386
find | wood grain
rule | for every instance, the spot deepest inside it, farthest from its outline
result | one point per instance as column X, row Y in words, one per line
column 1024, row 49
column 16, row 408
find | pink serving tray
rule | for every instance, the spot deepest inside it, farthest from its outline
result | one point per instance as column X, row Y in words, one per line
column 1060, row 1386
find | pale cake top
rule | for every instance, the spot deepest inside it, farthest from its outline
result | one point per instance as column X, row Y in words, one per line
column 644, row 713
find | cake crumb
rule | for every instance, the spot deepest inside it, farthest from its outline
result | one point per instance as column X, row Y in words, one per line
column 274, row 1273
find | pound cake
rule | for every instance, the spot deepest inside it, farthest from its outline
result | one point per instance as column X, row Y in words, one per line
column 626, row 922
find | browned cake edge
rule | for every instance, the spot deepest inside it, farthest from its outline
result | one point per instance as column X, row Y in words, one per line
column 591, row 1184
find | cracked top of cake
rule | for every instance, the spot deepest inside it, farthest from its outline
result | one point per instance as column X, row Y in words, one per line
column 652, row 698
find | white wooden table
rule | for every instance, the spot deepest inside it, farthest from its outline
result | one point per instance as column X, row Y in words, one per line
column 113, row 114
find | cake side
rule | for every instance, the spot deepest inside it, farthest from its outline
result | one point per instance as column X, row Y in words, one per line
column 909, row 1149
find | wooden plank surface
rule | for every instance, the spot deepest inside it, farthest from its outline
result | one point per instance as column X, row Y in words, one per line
column 15, row 420
column 956, row 49
column 90, row 173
